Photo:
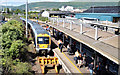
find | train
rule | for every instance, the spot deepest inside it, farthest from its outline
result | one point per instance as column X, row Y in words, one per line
column 41, row 37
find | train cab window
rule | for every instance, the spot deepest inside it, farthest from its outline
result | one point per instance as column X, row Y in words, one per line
column 43, row 40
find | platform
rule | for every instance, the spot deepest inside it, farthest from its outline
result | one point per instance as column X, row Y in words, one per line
column 69, row 61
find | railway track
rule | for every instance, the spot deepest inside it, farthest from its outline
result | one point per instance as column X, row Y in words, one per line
column 37, row 67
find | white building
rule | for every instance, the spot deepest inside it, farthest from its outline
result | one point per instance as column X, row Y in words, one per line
column 45, row 14
column 66, row 8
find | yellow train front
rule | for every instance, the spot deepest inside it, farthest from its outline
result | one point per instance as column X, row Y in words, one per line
column 43, row 43
column 42, row 38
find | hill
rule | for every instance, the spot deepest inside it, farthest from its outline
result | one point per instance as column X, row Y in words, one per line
column 82, row 5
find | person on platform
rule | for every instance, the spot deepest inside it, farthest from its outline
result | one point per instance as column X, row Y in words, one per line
column 76, row 56
column 90, row 67
column 84, row 59
column 80, row 58
column 98, row 68
column 60, row 43
column 68, row 48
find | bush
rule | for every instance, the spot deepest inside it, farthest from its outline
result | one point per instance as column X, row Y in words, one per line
column 43, row 18
column 14, row 47
column 21, row 68
column 30, row 39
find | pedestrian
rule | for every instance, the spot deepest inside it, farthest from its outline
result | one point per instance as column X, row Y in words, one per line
column 98, row 68
column 80, row 60
column 59, row 41
column 68, row 48
column 84, row 59
column 82, row 52
column 76, row 56
column 106, row 28
column 60, row 45
column 90, row 67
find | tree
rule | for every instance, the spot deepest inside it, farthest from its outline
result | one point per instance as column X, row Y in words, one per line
column 55, row 9
column 15, row 48
column 47, row 9
column 8, row 11
column 12, row 30
column 17, row 11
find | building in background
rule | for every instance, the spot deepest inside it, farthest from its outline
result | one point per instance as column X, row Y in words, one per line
column 66, row 8
column 34, row 10
column 60, row 14
column 103, row 13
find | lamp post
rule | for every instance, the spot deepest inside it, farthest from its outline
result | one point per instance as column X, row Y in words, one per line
column 26, row 17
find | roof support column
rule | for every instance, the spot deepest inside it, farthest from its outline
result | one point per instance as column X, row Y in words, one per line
column 57, row 22
column 63, row 38
column 95, row 58
column 63, row 23
column 70, row 25
column 80, row 47
column 53, row 32
column 119, row 70
column 70, row 41
column 96, row 33
column 53, row 21
column 81, row 28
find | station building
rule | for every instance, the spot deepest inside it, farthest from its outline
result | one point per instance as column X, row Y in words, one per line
column 102, row 13
column 60, row 14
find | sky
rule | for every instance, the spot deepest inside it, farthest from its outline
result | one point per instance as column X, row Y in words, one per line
column 20, row 2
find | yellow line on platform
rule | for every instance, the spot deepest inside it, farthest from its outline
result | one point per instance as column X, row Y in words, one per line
column 71, row 62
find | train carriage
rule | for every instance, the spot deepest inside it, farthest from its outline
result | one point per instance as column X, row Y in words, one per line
column 42, row 38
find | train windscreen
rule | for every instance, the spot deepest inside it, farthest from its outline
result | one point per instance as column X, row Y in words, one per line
column 43, row 40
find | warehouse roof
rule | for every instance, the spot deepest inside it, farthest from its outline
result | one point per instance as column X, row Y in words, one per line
column 103, row 9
